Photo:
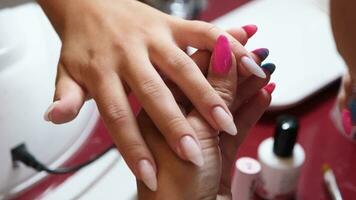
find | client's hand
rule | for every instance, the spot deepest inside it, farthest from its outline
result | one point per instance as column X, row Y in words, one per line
column 181, row 180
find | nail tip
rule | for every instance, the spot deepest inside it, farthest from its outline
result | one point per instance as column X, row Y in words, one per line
column 250, row 29
column 199, row 162
column 270, row 67
column 270, row 88
column 262, row 53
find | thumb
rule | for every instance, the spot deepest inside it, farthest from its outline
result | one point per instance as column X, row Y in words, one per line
column 222, row 73
column 69, row 97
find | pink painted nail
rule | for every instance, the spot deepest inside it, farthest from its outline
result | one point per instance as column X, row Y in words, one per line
column 346, row 121
column 270, row 88
column 222, row 59
column 250, row 29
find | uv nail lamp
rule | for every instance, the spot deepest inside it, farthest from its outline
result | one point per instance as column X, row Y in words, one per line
column 29, row 52
column 299, row 37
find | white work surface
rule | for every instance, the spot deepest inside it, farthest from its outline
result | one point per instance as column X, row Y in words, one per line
column 108, row 178
column 299, row 37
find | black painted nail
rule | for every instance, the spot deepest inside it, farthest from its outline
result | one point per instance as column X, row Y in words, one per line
column 270, row 67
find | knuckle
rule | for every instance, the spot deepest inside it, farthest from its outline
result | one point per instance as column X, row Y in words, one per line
column 116, row 114
column 225, row 93
column 131, row 149
column 207, row 95
column 180, row 64
column 175, row 125
column 150, row 88
column 209, row 30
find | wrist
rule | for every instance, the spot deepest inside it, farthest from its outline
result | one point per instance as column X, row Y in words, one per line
column 56, row 11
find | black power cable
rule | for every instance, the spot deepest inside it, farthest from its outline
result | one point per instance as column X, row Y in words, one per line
column 21, row 154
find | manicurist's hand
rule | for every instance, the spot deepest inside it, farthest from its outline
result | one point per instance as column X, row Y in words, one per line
column 343, row 15
column 113, row 47
column 248, row 100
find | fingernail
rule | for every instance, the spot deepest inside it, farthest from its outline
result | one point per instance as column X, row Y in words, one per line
column 224, row 120
column 270, row 88
column 250, row 30
column 222, row 59
column 270, row 67
column 192, row 150
column 262, row 53
column 148, row 174
column 253, row 67
column 346, row 121
column 352, row 106
column 47, row 115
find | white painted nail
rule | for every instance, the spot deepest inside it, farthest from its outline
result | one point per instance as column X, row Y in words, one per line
column 148, row 174
column 191, row 150
column 224, row 120
column 47, row 114
column 252, row 66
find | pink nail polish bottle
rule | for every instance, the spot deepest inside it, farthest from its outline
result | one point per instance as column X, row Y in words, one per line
column 247, row 171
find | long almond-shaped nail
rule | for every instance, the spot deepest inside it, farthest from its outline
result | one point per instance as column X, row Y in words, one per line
column 269, row 67
column 270, row 88
column 148, row 174
column 250, row 29
column 262, row 53
column 346, row 121
column 252, row 66
column 222, row 58
column 224, row 120
column 47, row 114
column 191, row 150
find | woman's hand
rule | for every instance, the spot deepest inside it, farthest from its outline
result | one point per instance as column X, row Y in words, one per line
column 113, row 47
column 181, row 180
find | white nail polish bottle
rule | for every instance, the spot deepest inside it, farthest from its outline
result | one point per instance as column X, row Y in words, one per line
column 281, row 159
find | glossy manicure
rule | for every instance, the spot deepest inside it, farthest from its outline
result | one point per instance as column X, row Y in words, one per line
column 262, row 53
column 191, row 150
column 148, row 174
column 47, row 115
column 346, row 121
column 270, row 88
column 252, row 66
column 222, row 58
column 224, row 120
column 270, row 67
column 250, row 30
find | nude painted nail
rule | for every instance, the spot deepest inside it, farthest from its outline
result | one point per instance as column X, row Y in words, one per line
column 148, row 174
column 47, row 115
column 250, row 30
column 262, row 53
column 270, row 88
column 191, row 150
column 346, row 121
column 224, row 120
column 222, row 59
column 252, row 66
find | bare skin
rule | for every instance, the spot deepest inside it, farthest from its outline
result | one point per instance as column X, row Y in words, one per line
column 179, row 180
column 111, row 48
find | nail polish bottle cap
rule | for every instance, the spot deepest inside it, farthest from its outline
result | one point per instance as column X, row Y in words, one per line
column 285, row 135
